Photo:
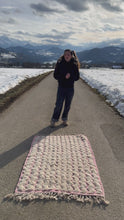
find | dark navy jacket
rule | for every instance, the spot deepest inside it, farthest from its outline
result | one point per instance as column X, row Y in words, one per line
column 62, row 68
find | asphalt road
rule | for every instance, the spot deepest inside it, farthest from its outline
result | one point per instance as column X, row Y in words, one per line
column 30, row 115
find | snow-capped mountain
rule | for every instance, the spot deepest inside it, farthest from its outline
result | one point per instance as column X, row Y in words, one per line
column 6, row 42
column 34, row 53
column 104, row 55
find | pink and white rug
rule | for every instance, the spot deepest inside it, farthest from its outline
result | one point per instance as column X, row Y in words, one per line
column 60, row 167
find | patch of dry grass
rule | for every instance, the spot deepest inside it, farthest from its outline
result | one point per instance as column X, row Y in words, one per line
column 11, row 95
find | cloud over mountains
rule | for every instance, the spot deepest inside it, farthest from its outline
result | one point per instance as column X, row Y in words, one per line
column 79, row 22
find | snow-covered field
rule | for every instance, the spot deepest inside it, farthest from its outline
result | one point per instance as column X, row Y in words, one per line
column 109, row 82
column 10, row 77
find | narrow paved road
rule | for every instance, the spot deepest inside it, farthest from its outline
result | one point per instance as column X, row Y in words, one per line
column 89, row 115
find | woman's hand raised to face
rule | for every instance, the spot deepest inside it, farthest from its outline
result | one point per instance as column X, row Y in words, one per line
column 67, row 76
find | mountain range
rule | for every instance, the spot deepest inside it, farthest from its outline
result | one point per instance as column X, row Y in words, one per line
column 21, row 52
column 101, row 56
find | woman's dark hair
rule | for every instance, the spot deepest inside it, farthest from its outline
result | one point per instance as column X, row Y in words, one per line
column 74, row 56
column 67, row 50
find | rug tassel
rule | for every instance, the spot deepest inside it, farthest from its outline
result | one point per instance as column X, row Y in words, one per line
column 100, row 200
column 105, row 202
column 56, row 196
column 9, row 196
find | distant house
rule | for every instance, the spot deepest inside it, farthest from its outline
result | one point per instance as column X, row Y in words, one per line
column 116, row 67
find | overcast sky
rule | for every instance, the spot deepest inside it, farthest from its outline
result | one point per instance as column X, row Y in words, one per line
column 76, row 22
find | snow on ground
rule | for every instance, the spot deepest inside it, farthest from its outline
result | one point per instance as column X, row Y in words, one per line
column 10, row 77
column 109, row 82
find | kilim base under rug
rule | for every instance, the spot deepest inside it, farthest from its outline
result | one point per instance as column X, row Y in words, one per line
column 60, row 167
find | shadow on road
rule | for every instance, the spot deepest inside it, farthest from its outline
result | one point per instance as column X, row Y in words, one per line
column 21, row 148
column 115, row 136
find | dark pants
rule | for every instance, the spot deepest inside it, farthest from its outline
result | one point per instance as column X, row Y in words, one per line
column 63, row 94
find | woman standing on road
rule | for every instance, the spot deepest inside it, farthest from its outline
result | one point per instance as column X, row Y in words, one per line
column 66, row 72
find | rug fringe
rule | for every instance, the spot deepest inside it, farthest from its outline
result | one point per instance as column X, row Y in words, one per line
column 55, row 196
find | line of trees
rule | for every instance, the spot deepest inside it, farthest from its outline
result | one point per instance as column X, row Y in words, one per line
column 52, row 65
column 29, row 65
column 102, row 65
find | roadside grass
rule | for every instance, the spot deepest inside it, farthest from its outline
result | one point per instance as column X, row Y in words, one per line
column 11, row 95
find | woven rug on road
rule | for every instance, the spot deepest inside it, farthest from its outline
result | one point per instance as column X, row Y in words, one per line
column 60, row 167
